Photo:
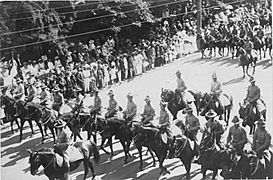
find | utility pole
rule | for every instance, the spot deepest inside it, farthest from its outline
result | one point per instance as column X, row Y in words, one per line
column 199, row 15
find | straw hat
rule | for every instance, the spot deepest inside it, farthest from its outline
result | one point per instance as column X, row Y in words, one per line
column 211, row 114
column 111, row 93
column 252, row 79
column 147, row 98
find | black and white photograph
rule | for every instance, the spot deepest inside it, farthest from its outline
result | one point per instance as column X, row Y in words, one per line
column 136, row 89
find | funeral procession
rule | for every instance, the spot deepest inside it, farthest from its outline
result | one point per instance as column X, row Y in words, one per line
column 136, row 89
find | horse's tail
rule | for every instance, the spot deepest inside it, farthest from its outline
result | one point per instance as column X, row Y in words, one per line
column 95, row 152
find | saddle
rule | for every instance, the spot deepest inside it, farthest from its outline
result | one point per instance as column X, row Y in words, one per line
column 74, row 155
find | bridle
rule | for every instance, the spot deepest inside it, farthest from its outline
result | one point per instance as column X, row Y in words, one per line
column 50, row 162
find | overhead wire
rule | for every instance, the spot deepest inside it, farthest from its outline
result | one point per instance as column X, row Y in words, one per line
column 69, row 12
column 88, row 19
column 106, row 29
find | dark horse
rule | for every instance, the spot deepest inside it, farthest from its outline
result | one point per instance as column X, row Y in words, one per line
column 10, row 110
column 169, row 96
column 207, row 102
column 246, row 112
column 149, row 137
column 47, row 158
column 210, row 154
column 246, row 60
column 250, row 166
column 258, row 45
column 29, row 112
column 268, row 45
column 118, row 128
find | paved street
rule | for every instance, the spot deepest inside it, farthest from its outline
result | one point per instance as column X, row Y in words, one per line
column 197, row 75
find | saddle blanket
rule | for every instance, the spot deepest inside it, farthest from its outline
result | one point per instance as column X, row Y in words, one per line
column 224, row 99
column 74, row 154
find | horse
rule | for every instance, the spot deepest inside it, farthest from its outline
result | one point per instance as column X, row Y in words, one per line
column 28, row 112
column 149, row 137
column 114, row 127
column 246, row 112
column 232, row 43
column 10, row 111
column 268, row 45
column 258, row 45
column 208, row 101
column 47, row 158
column 245, row 61
column 169, row 96
column 250, row 166
column 203, row 45
column 210, row 155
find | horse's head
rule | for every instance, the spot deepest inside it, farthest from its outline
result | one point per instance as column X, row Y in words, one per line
column 19, row 106
column 228, row 161
column 167, row 95
column 248, row 163
column 203, row 103
column 244, row 110
column 136, row 127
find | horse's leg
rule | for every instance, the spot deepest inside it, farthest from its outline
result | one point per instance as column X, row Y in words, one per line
column 45, row 130
column 139, row 149
column 42, row 132
column 102, row 143
column 203, row 170
column 125, row 151
column 247, row 67
column 111, row 146
column 11, row 123
column 85, row 164
column 21, row 129
column 215, row 172
column 187, row 167
column 243, row 71
column 53, row 134
column 91, row 168
column 31, row 126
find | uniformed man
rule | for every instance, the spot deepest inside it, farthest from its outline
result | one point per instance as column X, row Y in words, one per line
column 113, row 106
column 149, row 111
column 31, row 92
column 78, row 95
column 63, row 142
column 164, row 117
column 192, row 123
column 214, row 126
column 181, row 90
column 216, row 91
column 261, row 142
column 58, row 99
column 97, row 104
column 19, row 91
column 237, row 136
column 131, row 109
column 253, row 96
column 45, row 95
column 260, row 34
column 248, row 46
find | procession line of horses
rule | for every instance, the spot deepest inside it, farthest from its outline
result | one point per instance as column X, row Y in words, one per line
column 142, row 136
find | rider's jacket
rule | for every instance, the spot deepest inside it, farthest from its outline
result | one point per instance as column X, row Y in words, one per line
column 180, row 85
column 261, row 140
column 148, row 113
column 216, row 88
column 164, row 117
column 112, row 105
column 253, row 93
column 237, row 135
column 248, row 46
column 131, row 109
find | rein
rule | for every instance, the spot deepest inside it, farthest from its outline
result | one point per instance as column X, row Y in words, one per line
column 46, row 119
column 181, row 148
column 256, row 168
column 245, row 118
column 208, row 102
column 50, row 162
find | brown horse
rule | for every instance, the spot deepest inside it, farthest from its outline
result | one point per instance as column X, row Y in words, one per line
column 47, row 158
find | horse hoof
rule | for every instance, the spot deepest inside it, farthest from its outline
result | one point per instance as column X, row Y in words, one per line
column 93, row 177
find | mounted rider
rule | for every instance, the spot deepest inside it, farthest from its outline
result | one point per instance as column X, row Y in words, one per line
column 113, row 106
column 63, row 142
column 58, row 99
column 248, row 46
column 253, row 96
column 19, row 92
column 31, row 92
column 214, row 126
column 149, row 111
column 261, row 143
column 180, row 91
column 95, row 110
column 237, row 136
column 131, row 109
column 260, row 34
column 45, row 95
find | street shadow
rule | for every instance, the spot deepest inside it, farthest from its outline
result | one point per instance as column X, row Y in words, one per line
column 225, row 60
column 192, row 175
column 233, row 81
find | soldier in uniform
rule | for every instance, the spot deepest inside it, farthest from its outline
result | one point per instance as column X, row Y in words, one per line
column 248, row 46
column 149, row 111
column 19, row 91
column 237, row 136
column 113, row 106
column 58, row 99
column 97, row 104
column 253, row 97
column 214, row 126
column 131, row 109
column 216, row 91
column 181, row 90
column 45, row 95
column 31, row 92
column 261, row 143
column 63, row 142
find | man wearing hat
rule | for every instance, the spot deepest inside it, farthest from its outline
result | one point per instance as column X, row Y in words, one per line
column 45, row 95
column 181, row 92
column 149, row 111
column 253, row 96
column 261, row 142
column 192, row 123
column 97, row 104
column 214, row 126
column 164, row 116
column 131, row 109
column 31, row 92
column 248, row 46
column 113, row 106
column 78, row 96
column 58, row 99
column 19, row 91
column 237, row 136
